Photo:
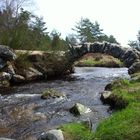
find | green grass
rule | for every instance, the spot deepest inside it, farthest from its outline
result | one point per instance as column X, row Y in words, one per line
column 76, row 131
column 99, row 60
column 124, row 124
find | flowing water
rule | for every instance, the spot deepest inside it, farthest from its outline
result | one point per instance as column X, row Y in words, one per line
column 23, row 114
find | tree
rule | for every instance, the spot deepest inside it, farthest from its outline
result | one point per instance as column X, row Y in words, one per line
column 40, row 35
column 20, row 29
column 71, row 39
column 13, row 22
column 88, row 31
column 55, row 39
column 135, row 44
column 14, row 6
column 110, row 39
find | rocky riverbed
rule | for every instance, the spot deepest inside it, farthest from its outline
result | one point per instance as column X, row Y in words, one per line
column 24, row 115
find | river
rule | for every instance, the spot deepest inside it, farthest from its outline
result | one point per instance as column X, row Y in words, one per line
column 24, row 115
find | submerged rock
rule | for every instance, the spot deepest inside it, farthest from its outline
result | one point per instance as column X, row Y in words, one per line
column 51, row 93
column 79, row 109
column 52, row 135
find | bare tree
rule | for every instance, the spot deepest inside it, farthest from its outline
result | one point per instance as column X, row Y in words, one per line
column 10, row 17
column 14, row 5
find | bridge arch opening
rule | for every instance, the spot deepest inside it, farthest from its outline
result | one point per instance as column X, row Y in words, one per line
column 128, row 56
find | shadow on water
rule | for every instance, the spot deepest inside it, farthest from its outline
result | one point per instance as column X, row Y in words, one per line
column 23, row 114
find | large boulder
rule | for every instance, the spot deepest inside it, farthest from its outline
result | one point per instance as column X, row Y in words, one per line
column 6, row 53
column 52, row 135
column 79, row 109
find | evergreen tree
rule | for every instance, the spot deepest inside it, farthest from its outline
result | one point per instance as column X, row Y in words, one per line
column 135, row 44
column 71, row 39
column 88, row 31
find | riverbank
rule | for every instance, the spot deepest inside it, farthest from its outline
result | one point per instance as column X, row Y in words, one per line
column 98, row 60
column 124, row 123
column 26, row 115
column 22, row 66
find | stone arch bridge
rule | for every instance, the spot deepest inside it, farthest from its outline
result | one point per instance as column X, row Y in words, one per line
column 130, row 57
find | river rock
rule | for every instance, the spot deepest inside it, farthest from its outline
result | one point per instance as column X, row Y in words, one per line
column 17, row 79
column 113, row 100
column 4, row 79
column 105, row 96
column 5, row 76
column 6, row 53
column 134, row 68
column 51, row 93
column 79, row 109
column 52, row 135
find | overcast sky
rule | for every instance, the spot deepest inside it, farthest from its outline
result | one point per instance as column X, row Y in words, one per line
column 118, row 17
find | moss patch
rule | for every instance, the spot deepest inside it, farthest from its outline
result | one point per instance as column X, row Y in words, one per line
column 51, row 93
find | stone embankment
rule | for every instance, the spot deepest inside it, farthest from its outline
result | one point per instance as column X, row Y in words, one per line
column 24, row 66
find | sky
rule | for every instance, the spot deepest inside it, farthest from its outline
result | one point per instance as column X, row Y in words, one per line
column 120, row 18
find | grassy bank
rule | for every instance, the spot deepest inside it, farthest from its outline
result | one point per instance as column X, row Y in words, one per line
column 123, row 124
column 98, row 60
